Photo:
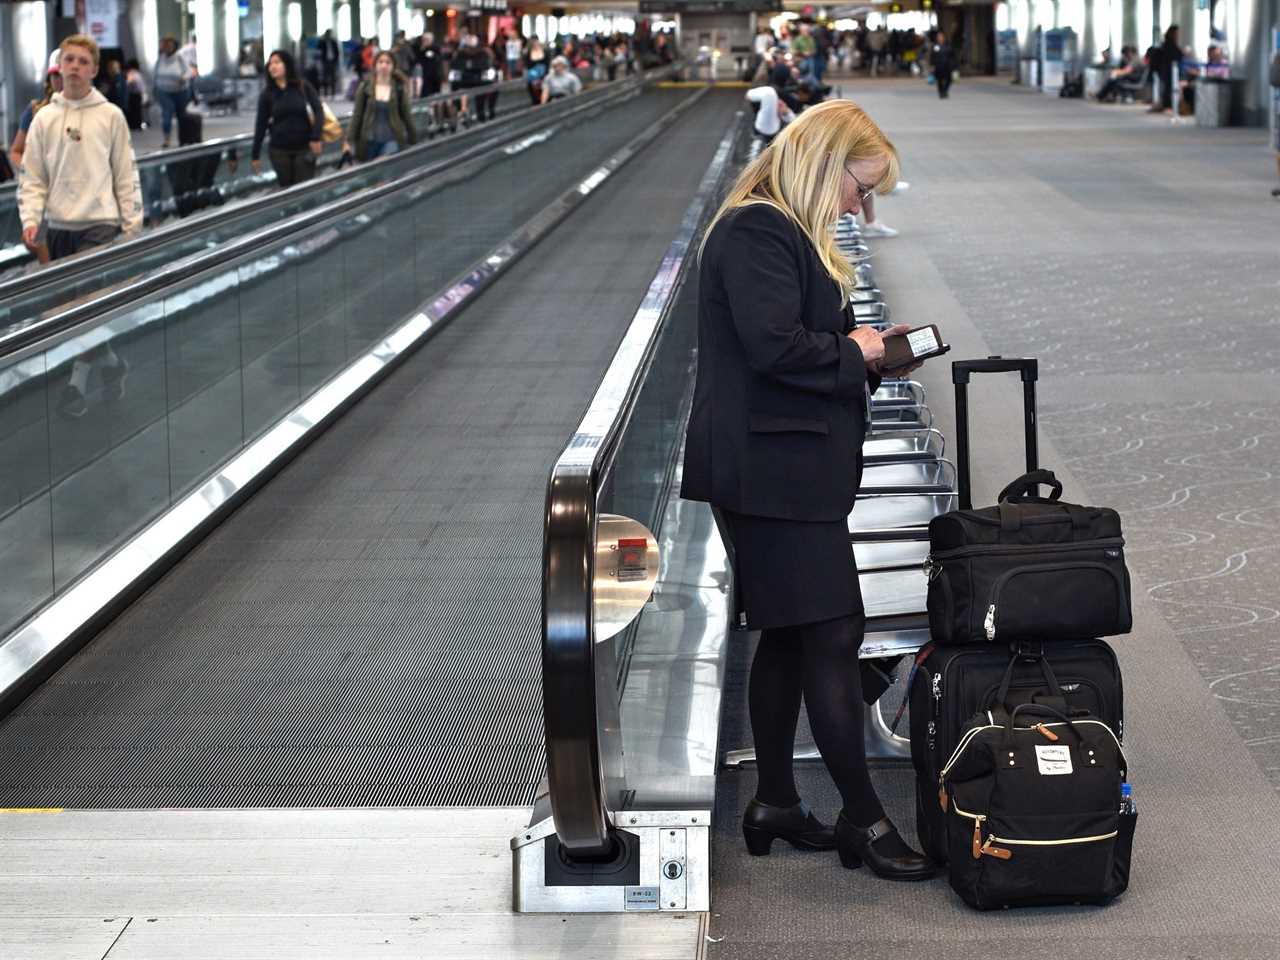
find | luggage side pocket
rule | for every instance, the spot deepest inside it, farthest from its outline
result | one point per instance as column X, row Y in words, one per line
column 1057, row 601
column 941, row 607
column 1121, row 855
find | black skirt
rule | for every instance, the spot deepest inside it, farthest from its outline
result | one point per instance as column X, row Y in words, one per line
column 791, row 572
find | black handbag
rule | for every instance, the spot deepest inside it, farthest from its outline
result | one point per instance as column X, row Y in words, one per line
column 1028, row 569
column 1036, row 813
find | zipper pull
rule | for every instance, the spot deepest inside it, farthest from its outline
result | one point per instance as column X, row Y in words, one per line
column 977, row 839
column 1000, row 853
column 937, row 686
column 1049, row 734
column 942, row 797
column 989, row 624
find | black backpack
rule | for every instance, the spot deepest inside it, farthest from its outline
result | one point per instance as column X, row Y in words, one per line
column 1036, row 811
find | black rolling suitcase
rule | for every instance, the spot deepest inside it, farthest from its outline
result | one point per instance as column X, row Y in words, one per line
column 951, row 685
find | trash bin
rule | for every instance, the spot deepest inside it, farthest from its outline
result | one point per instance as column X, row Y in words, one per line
column 1213, row 102
column 1095, row 78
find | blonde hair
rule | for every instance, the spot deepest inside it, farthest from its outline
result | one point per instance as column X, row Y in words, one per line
column 80, row 40
column 801, row 173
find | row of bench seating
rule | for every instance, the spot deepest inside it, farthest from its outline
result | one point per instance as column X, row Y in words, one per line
column 906, row 482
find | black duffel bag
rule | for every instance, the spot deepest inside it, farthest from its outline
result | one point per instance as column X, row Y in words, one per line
column 1028, row 569
column 1035, row 811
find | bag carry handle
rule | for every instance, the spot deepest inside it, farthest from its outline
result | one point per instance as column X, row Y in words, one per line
column 1002, row 693
column 1026, row 485
column 1039, row 708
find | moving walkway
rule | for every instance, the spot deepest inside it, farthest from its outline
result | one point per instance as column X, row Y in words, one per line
column 294, row 563
column 196, row 181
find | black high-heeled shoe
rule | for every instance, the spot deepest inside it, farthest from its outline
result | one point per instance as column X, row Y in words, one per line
column 856, row 846
column 762, row 824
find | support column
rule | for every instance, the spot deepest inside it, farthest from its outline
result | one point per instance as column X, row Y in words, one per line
column 1129, row 25
column 1249, row 36
column 1089, row 37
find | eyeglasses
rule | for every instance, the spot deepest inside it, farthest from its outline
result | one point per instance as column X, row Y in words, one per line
column 863, row 191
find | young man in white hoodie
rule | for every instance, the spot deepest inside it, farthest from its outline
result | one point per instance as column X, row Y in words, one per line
column 78, row 173
column 79, row 177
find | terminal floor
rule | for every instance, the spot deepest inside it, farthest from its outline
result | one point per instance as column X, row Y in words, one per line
column 1137, row 259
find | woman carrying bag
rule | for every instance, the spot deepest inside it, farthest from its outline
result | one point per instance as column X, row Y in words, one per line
column 382, row 121
column 291, row 109
column 774, row 443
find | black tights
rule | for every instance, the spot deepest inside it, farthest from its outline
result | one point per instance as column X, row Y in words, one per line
column 816, row 662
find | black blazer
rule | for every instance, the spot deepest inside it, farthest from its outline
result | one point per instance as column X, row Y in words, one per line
column 778, row 413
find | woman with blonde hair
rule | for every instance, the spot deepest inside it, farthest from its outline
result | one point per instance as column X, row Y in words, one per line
column 774, row 443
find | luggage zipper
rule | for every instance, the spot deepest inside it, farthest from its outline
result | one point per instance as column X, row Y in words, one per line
column 960, row 553
column 983, row 847
column 989, row 624
column 970, row 734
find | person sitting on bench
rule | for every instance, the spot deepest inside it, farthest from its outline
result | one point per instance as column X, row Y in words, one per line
column 1131, row 66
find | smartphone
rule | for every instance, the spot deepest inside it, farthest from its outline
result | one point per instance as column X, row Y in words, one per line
column 904, row 349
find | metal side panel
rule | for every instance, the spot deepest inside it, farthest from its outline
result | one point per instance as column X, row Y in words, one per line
column 900, row 393
column 926, row 445
column 890, row 555
column 925, row 476
column 897, row 512
column 893, row 593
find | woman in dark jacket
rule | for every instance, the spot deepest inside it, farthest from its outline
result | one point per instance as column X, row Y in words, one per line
column 291, row 109
column 775, row 444
column 382, row 121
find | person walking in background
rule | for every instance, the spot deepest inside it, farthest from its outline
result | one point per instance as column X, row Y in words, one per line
column 1275, row 114
column 79, row 178
column 136, row 96
column 382, row 121
column 291, row 110
column 112, row 83
column 513, row 49
column 780, row 411
column 535, row 70
column 561, row 82
column 329, row 57
column 52, row 85
column 942, row 59
column 1169, row 55
column 78, row 171
column 172, row 76
column 472, row 67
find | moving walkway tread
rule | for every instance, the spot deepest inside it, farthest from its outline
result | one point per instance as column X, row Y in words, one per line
column 364, row 630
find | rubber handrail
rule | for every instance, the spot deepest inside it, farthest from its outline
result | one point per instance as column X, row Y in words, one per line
column 572, row 704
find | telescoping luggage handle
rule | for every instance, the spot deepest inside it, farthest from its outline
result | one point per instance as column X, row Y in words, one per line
column 961, row 371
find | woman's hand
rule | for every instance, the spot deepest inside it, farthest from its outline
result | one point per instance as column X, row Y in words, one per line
column 316, row 147
column 257, row 166
column 870, row 343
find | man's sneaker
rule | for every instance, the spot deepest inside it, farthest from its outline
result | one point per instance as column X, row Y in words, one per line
column 72, row 404
column 877, row 229
column 113, row 378
column 902, row 186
